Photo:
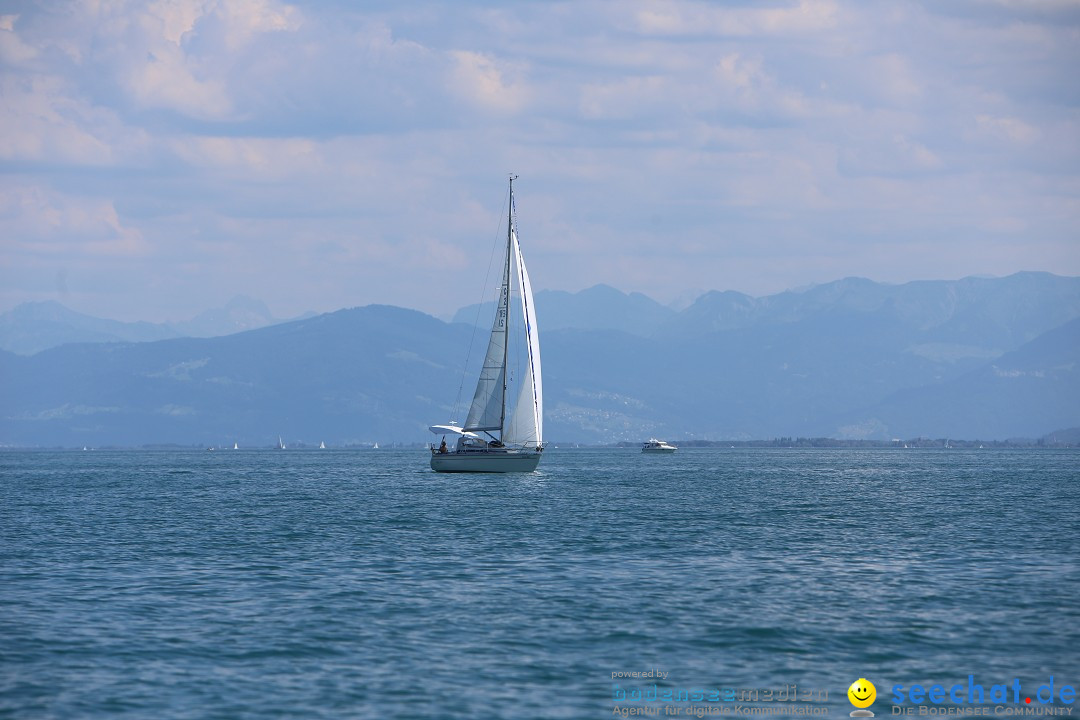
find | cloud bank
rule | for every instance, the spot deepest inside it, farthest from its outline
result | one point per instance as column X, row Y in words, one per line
column 160, row 157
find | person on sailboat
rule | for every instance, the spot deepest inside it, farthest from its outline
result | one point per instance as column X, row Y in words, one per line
column 442, row 446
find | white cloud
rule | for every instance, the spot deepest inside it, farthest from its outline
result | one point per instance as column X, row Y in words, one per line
column 745, row 84
column 245, row 19
column 42, row 122
column 1006, row 128
column 155, row 53
column 895, row 156
column 253, row 159
column 624, row 98
column 39, row 221
column 491, row 84
column 165, row 80
column 172, row 18
column 895, row 79
column 696, row 18
column 13, row 51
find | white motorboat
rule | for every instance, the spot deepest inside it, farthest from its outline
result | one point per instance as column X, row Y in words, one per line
column 657, row 446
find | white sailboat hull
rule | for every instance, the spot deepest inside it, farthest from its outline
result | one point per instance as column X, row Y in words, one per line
column 492, row 461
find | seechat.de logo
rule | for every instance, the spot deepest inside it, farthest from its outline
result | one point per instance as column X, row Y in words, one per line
column 973, row 693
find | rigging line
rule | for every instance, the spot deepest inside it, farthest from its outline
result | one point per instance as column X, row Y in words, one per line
column 479, row 308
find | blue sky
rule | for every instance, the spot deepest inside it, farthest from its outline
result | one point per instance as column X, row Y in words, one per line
column 160, row 157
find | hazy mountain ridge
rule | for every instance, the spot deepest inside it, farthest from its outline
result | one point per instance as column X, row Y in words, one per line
column 1044, row 374
column 999, row 311
column 36, row 326
column 857, row 361
column 596, row 308
column 813, row 362
column 32, row 327
column 319, row 375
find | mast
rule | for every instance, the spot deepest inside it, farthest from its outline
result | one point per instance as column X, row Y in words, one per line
column 506, row 303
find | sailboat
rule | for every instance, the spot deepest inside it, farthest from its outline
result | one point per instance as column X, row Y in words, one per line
column 498, row 436
column 280, row 445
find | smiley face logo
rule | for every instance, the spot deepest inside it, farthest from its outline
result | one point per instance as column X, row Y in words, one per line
column 862, row 693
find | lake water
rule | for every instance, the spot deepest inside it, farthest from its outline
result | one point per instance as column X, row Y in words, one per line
column 359, row 584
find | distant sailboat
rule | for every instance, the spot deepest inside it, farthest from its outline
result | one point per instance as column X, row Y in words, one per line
column 280, row 444
column 512, row 439
column 322, row 446
column 236, row 446
column 375, row 446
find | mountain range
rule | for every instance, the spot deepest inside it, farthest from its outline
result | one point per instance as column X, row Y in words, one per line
column 36, row 326
column 989, row 358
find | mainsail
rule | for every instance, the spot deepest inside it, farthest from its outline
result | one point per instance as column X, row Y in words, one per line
column 526, row 425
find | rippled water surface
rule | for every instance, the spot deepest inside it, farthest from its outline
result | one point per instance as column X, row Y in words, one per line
column 355, row 584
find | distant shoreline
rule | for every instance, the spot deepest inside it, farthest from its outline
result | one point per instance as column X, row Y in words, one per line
column 915, row 443
column 778, row 443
